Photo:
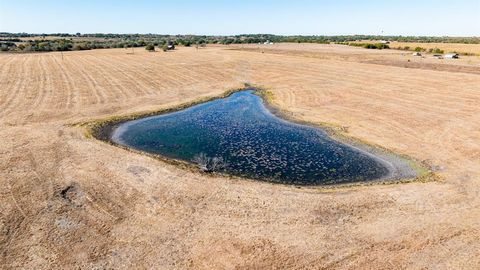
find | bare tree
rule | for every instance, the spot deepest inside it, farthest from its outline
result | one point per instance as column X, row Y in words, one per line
column 202, row 161
column 208, row 164
column 217, row 164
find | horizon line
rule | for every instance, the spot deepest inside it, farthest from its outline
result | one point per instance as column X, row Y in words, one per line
column 229, row 35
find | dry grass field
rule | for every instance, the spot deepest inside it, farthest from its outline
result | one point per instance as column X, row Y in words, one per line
column 461, row 48
column 70, row 201
column 447, row 47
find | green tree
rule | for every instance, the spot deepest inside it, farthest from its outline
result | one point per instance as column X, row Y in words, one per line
column 150, row 48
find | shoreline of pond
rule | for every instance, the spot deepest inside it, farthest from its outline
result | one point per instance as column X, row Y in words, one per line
column 402, row 169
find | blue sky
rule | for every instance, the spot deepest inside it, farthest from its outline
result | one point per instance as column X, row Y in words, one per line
column 306, row 17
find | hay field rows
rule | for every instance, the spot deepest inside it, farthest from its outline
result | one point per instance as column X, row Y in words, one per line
column 66, row 199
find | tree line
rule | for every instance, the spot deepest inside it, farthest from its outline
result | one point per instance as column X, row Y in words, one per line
column 78, row 41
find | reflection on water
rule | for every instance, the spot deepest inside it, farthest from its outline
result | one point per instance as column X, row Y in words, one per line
column 239, row 136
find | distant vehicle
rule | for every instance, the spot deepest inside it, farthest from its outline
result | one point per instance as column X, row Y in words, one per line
column 438, row 56
column 452, row 56
column 384, row 41
column 268, row 42
column 171, row 45
column 416, row 54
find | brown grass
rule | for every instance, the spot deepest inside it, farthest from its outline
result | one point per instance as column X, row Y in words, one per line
column 67, row 200
column 447, row 47
column 461, row 48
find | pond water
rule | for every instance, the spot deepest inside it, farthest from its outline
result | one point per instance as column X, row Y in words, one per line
column 238, row 135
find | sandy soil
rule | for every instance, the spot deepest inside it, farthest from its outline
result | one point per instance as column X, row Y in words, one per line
column 69, row 201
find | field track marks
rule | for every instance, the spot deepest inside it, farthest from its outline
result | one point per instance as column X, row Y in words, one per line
column 187, row 72
column 144, row 85
column 4, row 79
column 113, row 79
column 92, row 90
column 5, row 66
column 91, row 72
column 44, row 91
column 125, row 76
column 159, row 73
column 68, row 86
column 17, row 91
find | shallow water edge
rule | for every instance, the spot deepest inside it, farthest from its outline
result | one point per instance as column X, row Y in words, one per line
column 402, row 169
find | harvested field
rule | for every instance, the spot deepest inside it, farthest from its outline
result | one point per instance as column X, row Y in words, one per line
column 466, row 64
column 447, row 47
column 67, row 199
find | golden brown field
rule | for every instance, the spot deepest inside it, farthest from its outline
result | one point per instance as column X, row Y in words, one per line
column 69, row 201
column 447, row 47
column 461, row 48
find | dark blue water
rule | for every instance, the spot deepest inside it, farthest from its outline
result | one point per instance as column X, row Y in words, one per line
column 239, row 136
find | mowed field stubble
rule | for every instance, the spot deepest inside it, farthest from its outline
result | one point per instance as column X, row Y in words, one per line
column 67, row 199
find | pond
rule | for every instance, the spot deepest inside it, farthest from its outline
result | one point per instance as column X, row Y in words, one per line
column 238, row 135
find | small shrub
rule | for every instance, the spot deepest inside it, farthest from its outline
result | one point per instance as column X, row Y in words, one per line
column 376, row 46
column 150, row 48
column 77, row 47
